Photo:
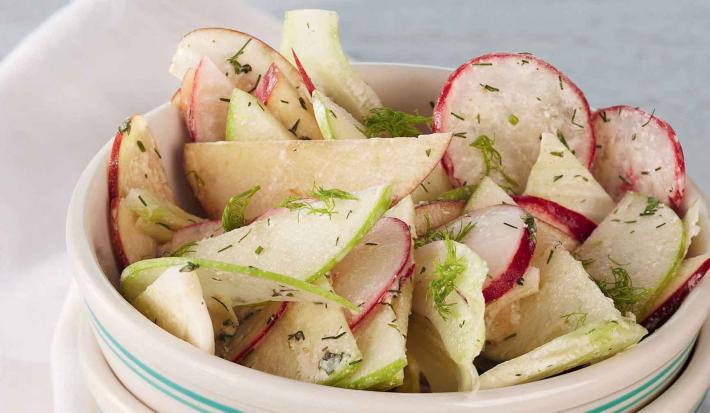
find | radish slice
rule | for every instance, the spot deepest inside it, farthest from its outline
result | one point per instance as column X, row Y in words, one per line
column 566, row 220
column 512, row 99
column 366, row 274
column 689, row 276
column 499, row 234
column 436, row 214
column 252, row 329
column 638, row 152
column 503, row 315
column 190, row 235
column 304, row 76
column 207, row 115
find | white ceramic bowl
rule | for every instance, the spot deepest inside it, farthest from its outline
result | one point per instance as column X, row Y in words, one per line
column 168, row 374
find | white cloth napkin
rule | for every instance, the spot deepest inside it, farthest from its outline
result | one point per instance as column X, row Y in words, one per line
column 63, row 92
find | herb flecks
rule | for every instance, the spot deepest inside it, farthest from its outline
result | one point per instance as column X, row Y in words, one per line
column 447, row 273
column 450, row 232
column 621, row 290
column 489, row 88
column 125, row 127
column 491, row 158
column 653, row 112
column 513, row 120
column 322, row 201
column 297, row 336
column 233, row 214
column 652, row 205
column 330, row 361
column 234, row 60
column 393, row 123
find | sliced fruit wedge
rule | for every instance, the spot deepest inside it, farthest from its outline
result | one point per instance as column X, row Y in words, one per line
column 182, row 97
column 368, row 272
column 296, row 347
column 448, row 292
column 588, row 344
column 207, row 114
column 689, row 276
column 570, row 222
column 634, row 253
column 691, row 225
column 435, row 185
column 228, row 168
column 547, row 236
column 131, row 241
column 242, row 285
column 486, row 194
column 501, row 236
column 184, row 239
column 301, row 242
column 638, row 152
column 243, row 58
column 560, row 177
column 334, row 121
column 404, row 211
column 174, row 302
column 248, row 120
column 435, row 214
column 158, row 211
column 255, row 323
column 701, row 241
column 313, row 35
column 503, row 315
column 289, row 104
column 511, row 99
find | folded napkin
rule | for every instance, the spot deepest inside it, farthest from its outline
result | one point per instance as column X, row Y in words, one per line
column 63, row 92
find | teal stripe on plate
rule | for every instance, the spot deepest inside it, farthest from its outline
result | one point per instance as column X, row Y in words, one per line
column 180, row 389
column 632, row 393
column 141, row 375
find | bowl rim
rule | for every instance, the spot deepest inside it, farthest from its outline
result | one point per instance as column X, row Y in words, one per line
column 663, row 344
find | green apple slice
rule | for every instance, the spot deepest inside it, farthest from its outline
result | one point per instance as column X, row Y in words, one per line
column 560, row 177
column 160, row 212
column 334, row 121
column 241, row 284
column 588, row 344
column 218, row 170
column 249, row 120
column 448, row 290
column 309, row 342
column 635, row 252
column 436, row 184
column 174, row 302
column 313, row 36
column 567, row 300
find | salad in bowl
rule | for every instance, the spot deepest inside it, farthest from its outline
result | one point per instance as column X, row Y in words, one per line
column 511, row 236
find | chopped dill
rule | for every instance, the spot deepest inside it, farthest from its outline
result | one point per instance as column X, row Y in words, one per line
column 393, row 123
column 233, row 214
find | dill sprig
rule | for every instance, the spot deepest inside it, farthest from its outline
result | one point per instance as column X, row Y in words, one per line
column 652, row 205
column 326, row 197
column 491, row 158
column 447, row 272
column 234, row 60
column 393, row 123
column 621, row 290
column 450, row 232
column 233, row 214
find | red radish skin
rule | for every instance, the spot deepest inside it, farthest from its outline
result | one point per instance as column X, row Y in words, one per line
column 260, row 336
column 661, row 314
column 564, row 219
column 267, row 84
column 121, row 258
column 113, row 167
column 442, row 110
column 632, row 176
column 304, row 76
column 519, row 265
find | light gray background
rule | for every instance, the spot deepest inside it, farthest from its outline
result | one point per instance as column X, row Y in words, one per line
column 652, row 54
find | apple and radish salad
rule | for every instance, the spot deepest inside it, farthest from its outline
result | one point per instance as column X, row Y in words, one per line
column 512, row 235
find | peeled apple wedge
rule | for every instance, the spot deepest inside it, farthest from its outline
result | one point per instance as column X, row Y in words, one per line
column 207, row 114
column 436, row 184
column 334, row 121
column 228, row 168
column 155, row 210
column 249, row 120
column 459, row 322
column 313, row 36
column 638, row 152
column 559, row 176
column 131, row 242
column 512, row 99
column 174, row 302
column 290, row 104
column 230, row 50
column 642, row 238
column 296, row 347
column 486, row 194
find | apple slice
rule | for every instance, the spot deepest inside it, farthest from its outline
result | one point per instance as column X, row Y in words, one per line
column 296, row 347
column 567, row 300
column 152, row 209
column 243, row 58
column 501, row 236
column 313, row 35
column 690, row 274
column 183, row 239
column 638, row 152
column 228, row 168
column 334, row 121
column 289, row 104
column 692, row 225
column 174, row 302
column 436, row 184
column 181, row 97
column 570, row 222
column 207, row 114
column 486, row 194
column 255, row 323
column 560, row 177
column 404, row 211
column 130, row 242
column 448, row 292
column 435, row 214
column 503, row 315
column 295, row 242
column 368, row 272
column 512, row 99
column 635, row 251
column 248, row 120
